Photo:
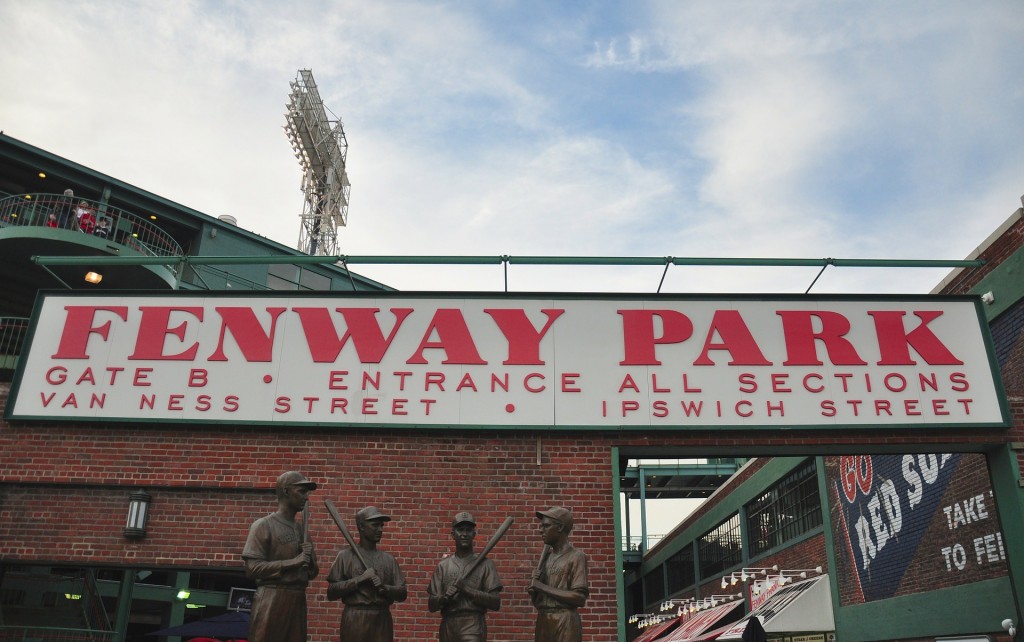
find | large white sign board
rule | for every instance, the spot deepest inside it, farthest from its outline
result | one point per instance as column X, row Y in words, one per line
column 489, row 361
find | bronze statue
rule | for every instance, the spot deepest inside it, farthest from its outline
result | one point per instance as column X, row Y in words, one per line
column 465, row 586
column 559, row 585
column 368, row 581
column 280, row 557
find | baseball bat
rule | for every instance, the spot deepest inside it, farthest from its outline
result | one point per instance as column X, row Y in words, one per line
column 543, row 557
column 491, row 543
column 540, row 565
column 344, row 531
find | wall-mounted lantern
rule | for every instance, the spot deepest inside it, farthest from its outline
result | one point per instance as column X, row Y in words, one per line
column 138, row 513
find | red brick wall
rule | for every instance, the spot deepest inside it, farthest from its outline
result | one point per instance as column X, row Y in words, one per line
column 1001, row 249
column 64, row 497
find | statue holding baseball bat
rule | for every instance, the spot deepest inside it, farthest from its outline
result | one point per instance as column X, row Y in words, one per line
column 559, row 584
column 465, row 586
column 366, row 579
column 280, row 557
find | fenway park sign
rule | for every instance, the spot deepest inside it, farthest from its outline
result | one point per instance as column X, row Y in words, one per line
column 456, row 360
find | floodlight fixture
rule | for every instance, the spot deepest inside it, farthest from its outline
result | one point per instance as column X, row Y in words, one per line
column 750, row 573
column 787, row 574
column 637, row 617
column 318, row 140
column 669, row 605
column 745, row 574
column 715, row 600
column 651, row 620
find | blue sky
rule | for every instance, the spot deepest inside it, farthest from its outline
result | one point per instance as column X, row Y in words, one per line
column 888, row 130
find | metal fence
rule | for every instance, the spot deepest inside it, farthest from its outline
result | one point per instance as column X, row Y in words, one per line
column 633, row 542
column 13, row 331
column 52, row 607
column 84, row 216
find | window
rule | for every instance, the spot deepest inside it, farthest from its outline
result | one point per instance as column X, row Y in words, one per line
column 292, row 277
column 679, row 568
column 309, row 280
column 283, row 277
column 787, row 510
column 721, row 548
column 636, row 598
column 654, row 585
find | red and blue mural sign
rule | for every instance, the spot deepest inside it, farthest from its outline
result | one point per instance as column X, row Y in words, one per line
column 910, row 523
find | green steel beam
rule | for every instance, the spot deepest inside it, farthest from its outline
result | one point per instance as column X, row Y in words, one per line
column 1008, row 491
column 124, row 604
column 690, row 469
column 171, row 260
column 620, row 587
column 587, row 260
column 422, row 260
column 951, row 611
column 497, row 260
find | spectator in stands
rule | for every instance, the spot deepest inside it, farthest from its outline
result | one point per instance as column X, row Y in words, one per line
column 86, row 216
column 102, row 227
column 65, row 207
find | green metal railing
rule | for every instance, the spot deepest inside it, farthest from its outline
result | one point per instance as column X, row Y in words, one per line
column 635, row 543
column 84, row 216
column 13, row 331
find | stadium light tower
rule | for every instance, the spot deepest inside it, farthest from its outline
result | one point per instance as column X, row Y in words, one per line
column 319, row 143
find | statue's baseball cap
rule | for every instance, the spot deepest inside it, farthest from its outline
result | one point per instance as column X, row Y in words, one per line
column 561, row 515
column 294, row 478
column 370, row 513
column 463, row 518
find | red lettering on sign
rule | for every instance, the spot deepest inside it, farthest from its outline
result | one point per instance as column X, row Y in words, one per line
column 854, row 475
column 78, row 325
column 362, row 327
column 894, row 342
column 255, row 344
column 736, row 340
column 801, row 339
column 153, row 331
column 453, row 337
column 640, row 338
column 523, row 338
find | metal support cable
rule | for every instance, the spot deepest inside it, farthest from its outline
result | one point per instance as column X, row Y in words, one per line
column 351, row 281
column 664, row 273
column 820, row 272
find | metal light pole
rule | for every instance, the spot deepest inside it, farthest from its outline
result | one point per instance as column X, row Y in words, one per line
column 318, row 140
